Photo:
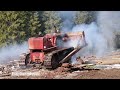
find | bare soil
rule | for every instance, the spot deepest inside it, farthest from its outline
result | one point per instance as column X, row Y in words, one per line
column 65, row 72
column 85, row 74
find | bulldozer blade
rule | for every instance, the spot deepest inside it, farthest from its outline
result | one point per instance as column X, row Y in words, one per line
column 71, row 54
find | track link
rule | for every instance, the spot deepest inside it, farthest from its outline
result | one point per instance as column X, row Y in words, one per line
column 52, row 59
column 47, row 61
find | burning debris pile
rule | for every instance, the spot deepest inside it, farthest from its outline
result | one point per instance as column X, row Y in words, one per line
column 100, row 35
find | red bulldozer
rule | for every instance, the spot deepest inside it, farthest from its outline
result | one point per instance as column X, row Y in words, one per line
column 52, row 50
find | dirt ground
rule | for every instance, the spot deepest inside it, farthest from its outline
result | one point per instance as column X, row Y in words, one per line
column 86, row 74
column 67, row 73
column 100, row 74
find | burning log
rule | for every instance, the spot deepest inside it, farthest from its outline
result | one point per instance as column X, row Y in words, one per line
column 79, row 60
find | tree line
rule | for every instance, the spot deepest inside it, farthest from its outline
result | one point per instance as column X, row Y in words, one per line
column 18, row 26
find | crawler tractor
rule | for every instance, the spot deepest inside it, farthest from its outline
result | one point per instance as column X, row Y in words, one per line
column 52, row 50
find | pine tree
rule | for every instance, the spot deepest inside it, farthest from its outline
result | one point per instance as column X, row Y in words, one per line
column 12, row 27
column 34, row 24
column 83, row 17
column 18, row 26
column 51, row 20
column 20, row 31
column 9, row 26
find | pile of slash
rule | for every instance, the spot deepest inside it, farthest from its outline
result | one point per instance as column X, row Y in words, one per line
column 16, row 69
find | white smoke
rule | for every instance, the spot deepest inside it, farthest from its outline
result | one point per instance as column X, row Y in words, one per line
column 12, row 52
column 67, row 17
column 95, row 40
column 109, row 24
column 99, row 35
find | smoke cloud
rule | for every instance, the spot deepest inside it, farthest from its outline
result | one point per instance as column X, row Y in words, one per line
column 100, row 35
column 12, row 52
column 109, row 25
column 95, row 40
column 67, row 17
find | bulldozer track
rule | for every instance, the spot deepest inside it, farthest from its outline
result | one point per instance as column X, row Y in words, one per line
column 51, row 60
column 48, row 62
